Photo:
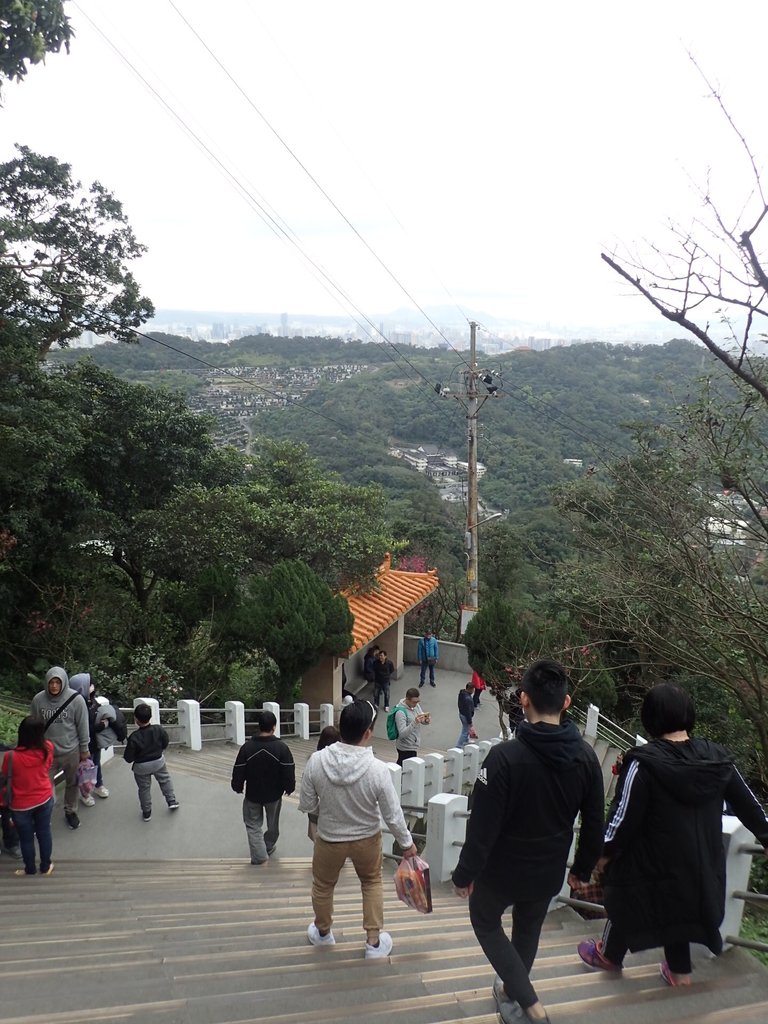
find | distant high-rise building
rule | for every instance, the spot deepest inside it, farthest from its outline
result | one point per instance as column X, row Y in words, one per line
column 284, row 325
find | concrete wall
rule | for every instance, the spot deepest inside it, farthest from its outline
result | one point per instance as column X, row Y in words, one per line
column 453, row 657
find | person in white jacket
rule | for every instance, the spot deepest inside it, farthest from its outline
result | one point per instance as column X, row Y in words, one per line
column 351, row 790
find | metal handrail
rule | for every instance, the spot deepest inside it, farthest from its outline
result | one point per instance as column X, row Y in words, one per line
column 761, row 947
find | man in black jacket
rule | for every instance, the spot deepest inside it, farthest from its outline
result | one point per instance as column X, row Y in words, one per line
column 526, row 798
column 264, row 766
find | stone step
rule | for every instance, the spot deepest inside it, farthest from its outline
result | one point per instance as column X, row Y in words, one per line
column 219, row 942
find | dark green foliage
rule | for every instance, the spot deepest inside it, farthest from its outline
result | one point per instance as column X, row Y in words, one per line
column 64, row 255
column 296, row 618
column 29, row 29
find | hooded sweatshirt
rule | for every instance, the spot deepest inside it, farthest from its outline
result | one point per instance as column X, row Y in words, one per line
column 524, row 804
column 70, row 730
column 351, row 790
column 665, row 880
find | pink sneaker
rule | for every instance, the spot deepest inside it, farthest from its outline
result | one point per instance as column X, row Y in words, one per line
column 591, row 952
column 673, row 980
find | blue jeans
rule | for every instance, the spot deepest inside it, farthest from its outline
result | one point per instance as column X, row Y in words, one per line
column 261, row 843
column 464, row 734
column 35, row 822
column 424, row 666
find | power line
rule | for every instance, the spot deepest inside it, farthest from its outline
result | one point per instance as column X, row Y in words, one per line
column 310, row 175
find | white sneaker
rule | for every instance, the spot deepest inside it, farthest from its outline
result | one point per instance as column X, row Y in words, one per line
column 384, row 947
column 317, row 939
column 101, row 791
column 386, row 709
column 87, row 800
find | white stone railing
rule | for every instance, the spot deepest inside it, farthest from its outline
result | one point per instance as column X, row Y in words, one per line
column 436, row 786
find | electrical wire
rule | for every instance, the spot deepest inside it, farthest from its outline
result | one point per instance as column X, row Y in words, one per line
column 220, row 64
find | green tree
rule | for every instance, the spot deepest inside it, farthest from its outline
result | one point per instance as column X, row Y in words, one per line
column 29, row 29
column 64, row 254
column 672, row 563
column 295, row 618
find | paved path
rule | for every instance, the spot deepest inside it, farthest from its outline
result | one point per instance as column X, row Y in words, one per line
column 209, row 822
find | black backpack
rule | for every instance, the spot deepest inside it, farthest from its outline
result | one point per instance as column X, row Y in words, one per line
column 119, row 727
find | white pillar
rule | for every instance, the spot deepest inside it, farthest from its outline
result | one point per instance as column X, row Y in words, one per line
column 274, row 707
column 234, row 722
column 189, row 720
column 326, row 715
column 593, row 715
column 444, row 828
column 737, row 868
column 387, row 839
column 454, row 769
column 412, row 782
column 434, row 767
column 301, row 721
column 471, row 766
column 154, row 704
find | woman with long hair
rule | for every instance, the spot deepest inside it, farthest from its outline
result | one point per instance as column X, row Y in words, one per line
column 31, row 796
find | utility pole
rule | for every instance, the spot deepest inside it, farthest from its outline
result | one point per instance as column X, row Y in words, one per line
column 472, row 401
column 470, row 379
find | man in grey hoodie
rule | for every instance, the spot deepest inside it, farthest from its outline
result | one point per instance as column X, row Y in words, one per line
column 351, row 790
column 65, row 714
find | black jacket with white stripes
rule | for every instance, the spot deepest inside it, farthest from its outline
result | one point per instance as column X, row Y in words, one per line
column 665, row 880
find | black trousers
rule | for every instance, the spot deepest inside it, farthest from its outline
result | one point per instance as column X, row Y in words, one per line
column 677, row 954
column 513, row 960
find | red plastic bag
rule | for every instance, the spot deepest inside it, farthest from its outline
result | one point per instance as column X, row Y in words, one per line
column 412, row 884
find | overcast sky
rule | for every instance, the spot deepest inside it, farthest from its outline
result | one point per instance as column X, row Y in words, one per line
column 485, row 151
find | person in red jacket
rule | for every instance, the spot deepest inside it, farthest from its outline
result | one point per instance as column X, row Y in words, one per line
column 31, row 797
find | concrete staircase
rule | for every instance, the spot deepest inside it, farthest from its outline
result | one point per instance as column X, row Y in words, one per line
column 221, row 942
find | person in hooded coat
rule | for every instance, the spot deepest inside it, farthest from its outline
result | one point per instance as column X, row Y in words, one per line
column 65, row 714
column 351, row 791
column 101, row 735
column 663, row 860
column 524, row 804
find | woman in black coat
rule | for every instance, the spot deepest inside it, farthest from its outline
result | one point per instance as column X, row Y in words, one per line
column 663, row 858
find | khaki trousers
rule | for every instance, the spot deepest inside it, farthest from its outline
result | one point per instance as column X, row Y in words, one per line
column 327, row 861
column 69, row 764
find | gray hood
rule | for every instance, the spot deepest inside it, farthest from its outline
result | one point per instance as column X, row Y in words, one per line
column 82, row 683
column 66, row 692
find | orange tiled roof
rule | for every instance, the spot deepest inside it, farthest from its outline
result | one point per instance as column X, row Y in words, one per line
column 396, row 593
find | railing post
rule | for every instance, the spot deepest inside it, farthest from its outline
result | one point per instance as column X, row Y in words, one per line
column 454, row 769
column 301, row 721
column 471, row 766
column 326, row 715
column 274, row 707
column 434, row 767
column 412, row 782
column 189, row 720
column 444, row 829
column 593, row 716
column 234, row 722
column 153, row 703
column 737, row 868
column 396, row 773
